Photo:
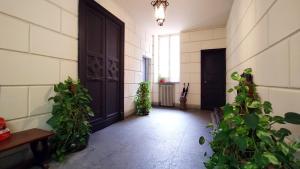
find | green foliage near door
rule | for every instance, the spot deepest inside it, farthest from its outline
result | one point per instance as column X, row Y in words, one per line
column 246, row 137
column 142, row 99
column 69, row 120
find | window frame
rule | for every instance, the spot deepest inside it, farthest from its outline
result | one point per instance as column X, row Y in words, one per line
column 146, row 68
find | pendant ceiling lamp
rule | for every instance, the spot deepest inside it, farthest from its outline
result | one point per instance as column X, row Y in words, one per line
column 160, row 7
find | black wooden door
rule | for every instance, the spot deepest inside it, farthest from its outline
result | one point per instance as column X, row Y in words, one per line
column 113, row 34
column 213, row 78
column 101, row 62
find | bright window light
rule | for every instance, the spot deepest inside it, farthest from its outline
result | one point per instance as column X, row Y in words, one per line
column 169, row 58
column 164, row 57
column 174, row 58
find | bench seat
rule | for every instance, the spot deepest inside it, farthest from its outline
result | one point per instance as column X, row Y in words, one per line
column 34, row 137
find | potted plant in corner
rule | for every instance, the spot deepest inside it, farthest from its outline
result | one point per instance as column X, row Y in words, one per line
column 69, row 120
column 246, row 137
column 142, row 99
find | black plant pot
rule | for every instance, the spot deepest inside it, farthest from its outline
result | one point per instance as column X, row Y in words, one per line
column 81, row 147
column 143, row 112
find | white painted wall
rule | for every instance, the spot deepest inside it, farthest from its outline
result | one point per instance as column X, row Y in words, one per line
column 38, row 48
column 264, row 35
column 192, row 42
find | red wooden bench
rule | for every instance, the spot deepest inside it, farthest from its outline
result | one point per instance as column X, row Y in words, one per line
column 34, row 137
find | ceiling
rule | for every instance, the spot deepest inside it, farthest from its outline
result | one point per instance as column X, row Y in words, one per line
column 181, row 14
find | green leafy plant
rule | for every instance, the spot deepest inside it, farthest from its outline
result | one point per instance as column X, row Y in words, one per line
column 69, row 120
column 246, row 137
column 142, row 99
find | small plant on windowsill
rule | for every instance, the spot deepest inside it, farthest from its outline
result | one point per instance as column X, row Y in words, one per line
column 246, row 137
column 162, row 80
column 69, row 120
column 142, row 99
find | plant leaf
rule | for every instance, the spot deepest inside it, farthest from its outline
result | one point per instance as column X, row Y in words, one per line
column 282, row 133
column 250, row 165
column 241, row 98
column 278, row 119
column 230, row 90
column 235, row 76
column 201, row 140
column 296, row 146
column 228, row 108
column 251, row 120
column 267, row 107
column 91, row 114
column 285, row 150
column 272, row 159
column 254, row 104
column 263, row 135
column 55, row 88
column 248, row 71
column 293, row 118
column 241, row 142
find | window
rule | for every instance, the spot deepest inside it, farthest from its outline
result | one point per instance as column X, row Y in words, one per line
column 168, row 57
column 146, row 68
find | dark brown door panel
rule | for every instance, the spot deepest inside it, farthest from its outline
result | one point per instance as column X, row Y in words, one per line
column 213, row 78
column 101, row 62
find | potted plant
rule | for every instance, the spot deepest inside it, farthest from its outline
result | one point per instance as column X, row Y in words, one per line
column 246, row 137
column 142, row 99
column 162, row 80
column 69, row 120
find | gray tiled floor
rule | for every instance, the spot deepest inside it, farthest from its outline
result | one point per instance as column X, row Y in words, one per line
column 166, row 139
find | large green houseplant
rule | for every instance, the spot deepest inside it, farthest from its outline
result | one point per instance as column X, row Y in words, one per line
column 142, row 99
column 69, row 119
column 246, row 137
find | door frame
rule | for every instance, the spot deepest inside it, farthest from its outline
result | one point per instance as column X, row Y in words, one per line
column 82, row 46
column 202, row 75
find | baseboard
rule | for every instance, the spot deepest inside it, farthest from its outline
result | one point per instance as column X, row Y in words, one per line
column 189, row 106
column 155, row 104
column 193, row 106
column 129, row 113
